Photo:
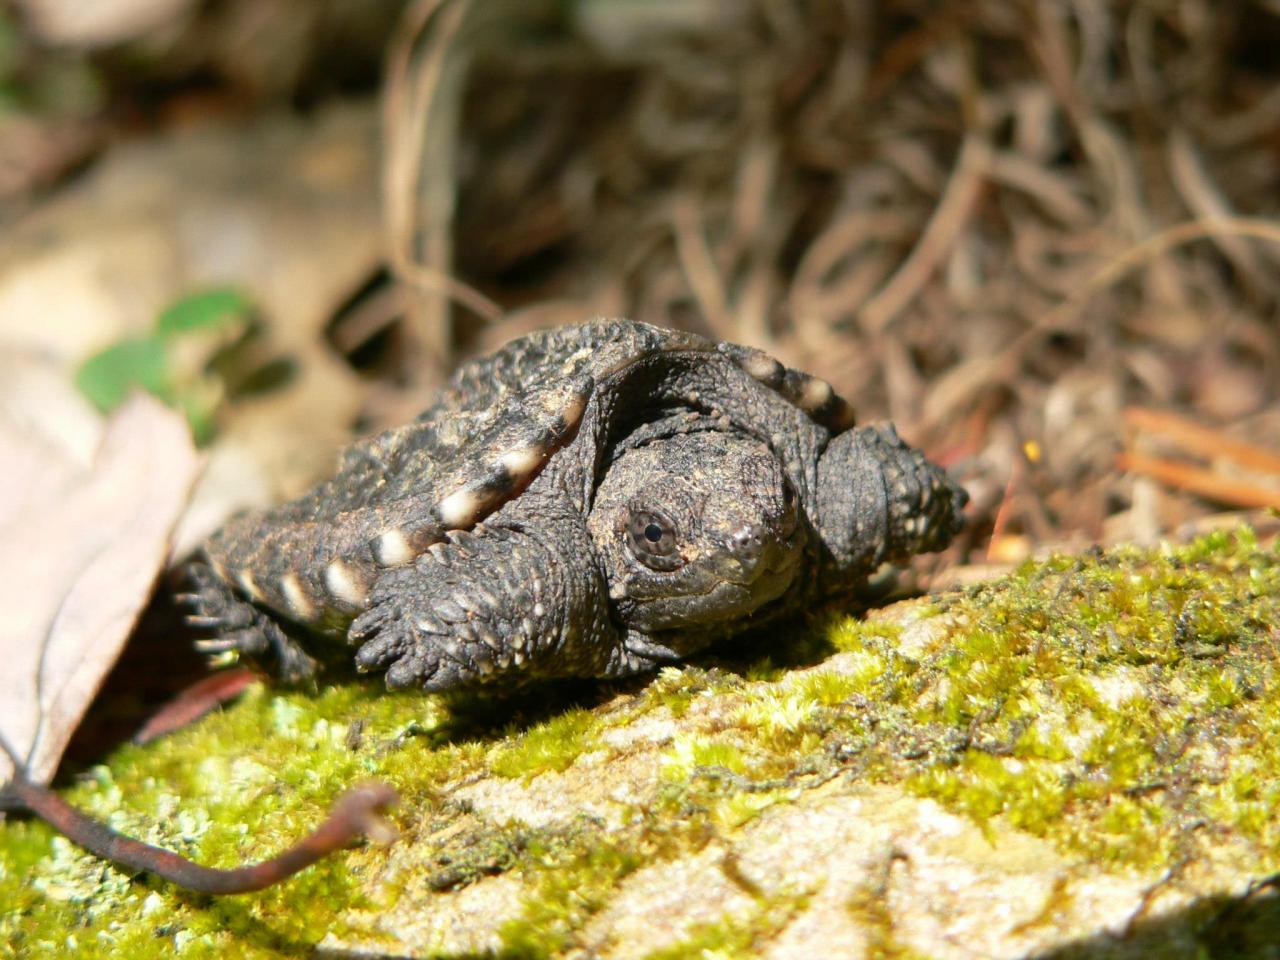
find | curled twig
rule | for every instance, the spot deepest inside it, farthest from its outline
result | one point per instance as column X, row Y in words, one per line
column 356, row 813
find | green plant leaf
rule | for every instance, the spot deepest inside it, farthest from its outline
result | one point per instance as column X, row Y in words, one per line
column 108, row 376
column 172, row 363
column 208, row 310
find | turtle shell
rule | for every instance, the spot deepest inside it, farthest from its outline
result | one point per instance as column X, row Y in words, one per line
column 488, row 435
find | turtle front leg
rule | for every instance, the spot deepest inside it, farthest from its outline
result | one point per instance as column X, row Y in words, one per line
column 491, row 605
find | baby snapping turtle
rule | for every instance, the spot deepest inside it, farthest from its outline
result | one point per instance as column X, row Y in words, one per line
column 588, row 501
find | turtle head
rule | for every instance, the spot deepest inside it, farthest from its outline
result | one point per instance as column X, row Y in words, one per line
column 695, row 530
column 880, row 500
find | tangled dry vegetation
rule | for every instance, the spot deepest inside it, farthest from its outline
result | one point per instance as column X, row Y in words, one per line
column 1010, row 227
column 1015, row 228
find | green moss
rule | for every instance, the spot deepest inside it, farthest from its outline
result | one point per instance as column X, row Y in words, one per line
column 1095, row 695
column 735, row 936
column 1124, row 706
column 1084, row 699
column 781, row 719
column 676, row 689
column 551, row 745
column 691, row 752
column 983, row 786
column 869, row 906
column 873, row 658
column 571, row 882
column 722, row 781
column 235, row 788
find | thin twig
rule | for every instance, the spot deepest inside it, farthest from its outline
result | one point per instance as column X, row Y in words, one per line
column 952, row 390
column 1205, row 483
column 356, row 813
column 194, row 702
column 1201, row 441
column 406, row 112
column 1209, row 203
column 1161, row 243
column 699, row 265
column 950, row 217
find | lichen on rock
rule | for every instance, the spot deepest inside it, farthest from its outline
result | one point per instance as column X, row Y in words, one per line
column 1074, row 760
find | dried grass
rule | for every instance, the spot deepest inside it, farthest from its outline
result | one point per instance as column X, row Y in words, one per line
column 994, row 222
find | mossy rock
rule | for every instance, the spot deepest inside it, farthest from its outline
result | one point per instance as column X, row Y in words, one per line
column 1078, row 759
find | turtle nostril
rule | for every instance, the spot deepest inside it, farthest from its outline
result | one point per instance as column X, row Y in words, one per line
column 747, row 543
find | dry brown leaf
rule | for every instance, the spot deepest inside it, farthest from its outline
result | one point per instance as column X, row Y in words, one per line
column 81, row 542
column 88, row 25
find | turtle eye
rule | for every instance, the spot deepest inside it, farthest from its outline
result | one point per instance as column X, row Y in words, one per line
column 653, row 539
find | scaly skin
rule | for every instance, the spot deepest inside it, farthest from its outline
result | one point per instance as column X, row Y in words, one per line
column 590, row 501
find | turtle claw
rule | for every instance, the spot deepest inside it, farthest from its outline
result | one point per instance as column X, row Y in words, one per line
column 243, row 628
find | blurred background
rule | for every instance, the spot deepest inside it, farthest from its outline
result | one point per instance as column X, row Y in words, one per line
column 1040, row 236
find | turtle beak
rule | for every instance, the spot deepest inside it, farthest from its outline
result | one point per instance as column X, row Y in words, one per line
column 753, row 552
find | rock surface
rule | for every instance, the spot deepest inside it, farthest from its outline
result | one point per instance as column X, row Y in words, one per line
column 1075, row 761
